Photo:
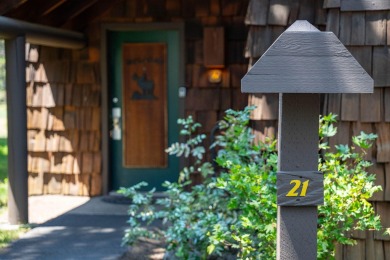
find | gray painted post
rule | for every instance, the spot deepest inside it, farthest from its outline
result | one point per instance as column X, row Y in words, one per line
column 298, row 151
column 301, row 63
column 17, row 130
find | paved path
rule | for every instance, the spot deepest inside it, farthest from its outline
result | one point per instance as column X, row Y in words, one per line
column 90, row 231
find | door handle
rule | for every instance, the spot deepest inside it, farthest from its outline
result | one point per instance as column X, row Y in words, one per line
column 116, row 132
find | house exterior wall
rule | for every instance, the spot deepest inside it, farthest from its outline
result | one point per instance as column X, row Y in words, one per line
column 65, row 90
column 364, row 28
column 364, row 32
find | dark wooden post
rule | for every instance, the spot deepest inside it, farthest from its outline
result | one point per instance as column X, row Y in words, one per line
column 299, row 65
column 17, row 130
column 298, row 149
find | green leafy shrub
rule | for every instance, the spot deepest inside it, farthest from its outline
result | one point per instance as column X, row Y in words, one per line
column 347, row 187
column 233, row 211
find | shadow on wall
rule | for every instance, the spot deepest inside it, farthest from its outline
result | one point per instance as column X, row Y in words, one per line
column 63, row 122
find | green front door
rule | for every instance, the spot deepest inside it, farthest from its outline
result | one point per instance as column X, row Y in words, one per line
column 143, row 69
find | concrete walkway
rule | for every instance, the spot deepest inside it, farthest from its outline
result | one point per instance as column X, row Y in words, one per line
column 93, row 230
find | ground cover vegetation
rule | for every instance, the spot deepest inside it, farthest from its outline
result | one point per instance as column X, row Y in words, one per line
column 233, row 211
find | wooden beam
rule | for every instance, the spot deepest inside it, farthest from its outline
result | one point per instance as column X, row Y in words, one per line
column 40, row 35
column 17, row 130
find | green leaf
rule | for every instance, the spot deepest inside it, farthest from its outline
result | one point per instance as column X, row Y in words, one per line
column 210, row 249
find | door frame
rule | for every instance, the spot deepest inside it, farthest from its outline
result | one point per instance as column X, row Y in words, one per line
column 123, row 27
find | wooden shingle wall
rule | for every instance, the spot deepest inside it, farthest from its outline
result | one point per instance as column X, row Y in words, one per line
column 63, row 121
column 364, row 27
column 205, row 101
column 64, row 88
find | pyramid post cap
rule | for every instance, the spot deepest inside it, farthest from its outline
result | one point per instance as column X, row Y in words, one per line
column 306, row 60
column 302, row 26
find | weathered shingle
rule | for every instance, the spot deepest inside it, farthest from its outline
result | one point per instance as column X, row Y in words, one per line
column 331, row 3
column 379, row 172
column 267, row 106
column 257, row 12
column 363, row 54
column 259, row 39
column 333, row 104
column 333, row 22
column 364, row 5
column 383, row 209
column 358, row 28
column 371, row 106
column 381, row 66
column 350, row 107
column 345, row 28
column 279, row 11
column 386, row 104
column 383, row 142
column 376, row 28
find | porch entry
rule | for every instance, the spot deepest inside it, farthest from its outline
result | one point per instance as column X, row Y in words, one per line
column 143, row 68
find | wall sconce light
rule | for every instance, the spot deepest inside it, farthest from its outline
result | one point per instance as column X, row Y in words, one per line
column 214, row 53
column 215, row 76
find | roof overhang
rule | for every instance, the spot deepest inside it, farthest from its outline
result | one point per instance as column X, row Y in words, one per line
column 41, row 34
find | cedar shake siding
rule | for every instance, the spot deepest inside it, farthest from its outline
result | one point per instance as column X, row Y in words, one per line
column 64, row 87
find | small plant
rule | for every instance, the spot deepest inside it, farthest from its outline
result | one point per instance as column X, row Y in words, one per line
column 7, row 236
column 191, row 212
column 233, row 211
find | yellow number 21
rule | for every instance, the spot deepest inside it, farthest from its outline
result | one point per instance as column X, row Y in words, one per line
column 297, row 184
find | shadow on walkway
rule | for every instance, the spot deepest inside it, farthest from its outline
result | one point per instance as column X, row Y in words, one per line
column 92, row 231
